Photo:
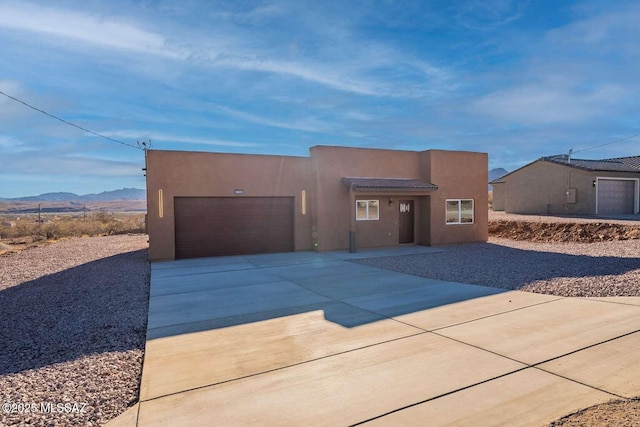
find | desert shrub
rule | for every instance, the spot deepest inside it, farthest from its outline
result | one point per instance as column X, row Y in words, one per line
column 7, row 232
column 100, row 224
column 111, row 227
column 49, row 231
column 88, row 228
column 104, row 217
column 25, row 228
column 133, row 224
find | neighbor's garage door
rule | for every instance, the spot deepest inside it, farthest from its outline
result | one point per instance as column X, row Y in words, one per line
column 615, row 196
column 214, row 226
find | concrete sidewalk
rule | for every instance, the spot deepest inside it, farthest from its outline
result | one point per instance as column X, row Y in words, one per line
column 312, row 339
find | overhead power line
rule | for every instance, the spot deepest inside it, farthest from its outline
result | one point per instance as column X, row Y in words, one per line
column 69, row 123
column 607, row 143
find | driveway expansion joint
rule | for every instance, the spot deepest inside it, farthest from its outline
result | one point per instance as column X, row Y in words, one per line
column 579, row 382
column 611, row 302
column 304, row 362
column 585, row 348
column 496, row 314
column 439, row 396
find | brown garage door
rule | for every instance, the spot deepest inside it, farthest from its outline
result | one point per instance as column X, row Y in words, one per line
column 215, row 226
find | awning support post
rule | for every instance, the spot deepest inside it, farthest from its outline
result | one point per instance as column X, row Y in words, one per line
column 352, row 221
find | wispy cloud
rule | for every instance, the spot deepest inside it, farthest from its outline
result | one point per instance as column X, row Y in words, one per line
column 83, row 27
column 10, row 144
column 10, row 109
column 11, row 87
column 613, row 28
column 355, row 72
column 577, row 76
column 544, row 105
column 308, row 124
column 278, row 76
column 489, row 14
column 316, row 74
column 180, row 139
column 41, row 163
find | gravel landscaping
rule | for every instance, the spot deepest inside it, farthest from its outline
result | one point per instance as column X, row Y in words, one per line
column 73, row 330
column 550, row 219
column 621, row 413
column 74, row 315
column 566, row 269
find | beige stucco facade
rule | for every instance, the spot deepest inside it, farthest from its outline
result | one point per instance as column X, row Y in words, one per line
column 498, row 199
column 547, row 188
column 324, row 207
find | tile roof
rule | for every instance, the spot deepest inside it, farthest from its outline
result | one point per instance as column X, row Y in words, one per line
column 401, row 184
column 619, row 164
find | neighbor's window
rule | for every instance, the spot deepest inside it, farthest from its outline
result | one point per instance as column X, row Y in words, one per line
column 367, row 210
column 460, row 211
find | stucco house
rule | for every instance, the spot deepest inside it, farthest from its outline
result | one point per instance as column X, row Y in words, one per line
column 208, row 204
column 559, row 185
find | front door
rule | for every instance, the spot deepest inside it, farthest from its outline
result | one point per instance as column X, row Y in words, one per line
column 406, row 221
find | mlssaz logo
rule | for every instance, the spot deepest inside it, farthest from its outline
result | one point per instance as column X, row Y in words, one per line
column 66, row 408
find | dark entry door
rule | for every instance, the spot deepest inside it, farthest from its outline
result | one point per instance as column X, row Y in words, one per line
column 406, row 221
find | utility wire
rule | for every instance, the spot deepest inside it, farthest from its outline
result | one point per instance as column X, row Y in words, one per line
column 608, row 143
column 69, row 123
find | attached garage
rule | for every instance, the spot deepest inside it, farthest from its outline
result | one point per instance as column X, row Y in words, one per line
column 219, row 204
column 216, row 226
column 616, row 196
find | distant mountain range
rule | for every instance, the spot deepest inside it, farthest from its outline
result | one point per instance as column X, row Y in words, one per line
column 135, row 193
column 122, row 194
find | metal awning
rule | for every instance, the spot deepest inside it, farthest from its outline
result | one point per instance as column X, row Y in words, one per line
column 398, row 185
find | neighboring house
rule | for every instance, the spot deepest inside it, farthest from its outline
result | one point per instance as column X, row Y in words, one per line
column 558, row 185
column 209, row 204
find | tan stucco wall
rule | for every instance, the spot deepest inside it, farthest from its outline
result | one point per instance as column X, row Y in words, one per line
column 195, row 174
column 498, row 197
column 332, row 198
column 330, row 205
column 540, row 188
column 460, row 175
column 383, row 232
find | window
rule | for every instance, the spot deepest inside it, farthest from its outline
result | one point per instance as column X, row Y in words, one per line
column 367, row 210
column 460, row 211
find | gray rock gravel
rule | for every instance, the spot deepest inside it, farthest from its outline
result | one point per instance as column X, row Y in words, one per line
column 74, row 313
column 73, row 329
column 498, row 216
column 565, row 269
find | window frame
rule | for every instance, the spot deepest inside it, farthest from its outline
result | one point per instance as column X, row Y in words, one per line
column 368, row 218
column 459, row 201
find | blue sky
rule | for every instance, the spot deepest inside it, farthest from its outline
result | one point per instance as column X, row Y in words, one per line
column 516, row 79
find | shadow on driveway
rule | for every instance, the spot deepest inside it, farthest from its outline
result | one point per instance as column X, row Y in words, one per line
column 199, row 295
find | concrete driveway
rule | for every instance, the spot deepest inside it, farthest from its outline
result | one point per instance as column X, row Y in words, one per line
column 312, row 339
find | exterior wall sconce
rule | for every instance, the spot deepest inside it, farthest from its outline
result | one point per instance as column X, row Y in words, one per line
column 303, row 202
column 160, row 204
column 594, row 182
column 390, row 201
